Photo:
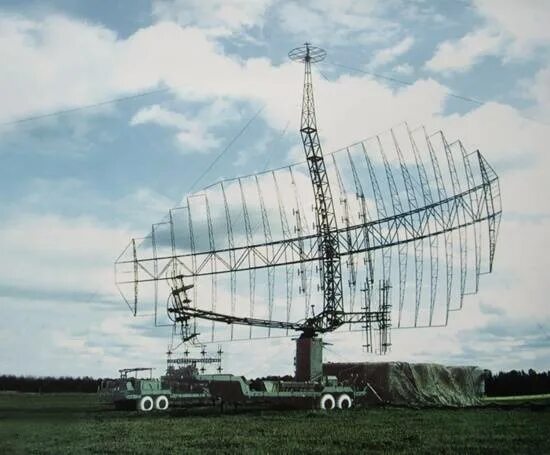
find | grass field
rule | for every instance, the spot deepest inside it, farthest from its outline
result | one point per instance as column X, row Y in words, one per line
column 520, row 399
column 57, row 424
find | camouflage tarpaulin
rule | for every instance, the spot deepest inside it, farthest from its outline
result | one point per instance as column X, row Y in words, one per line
column 413, row 384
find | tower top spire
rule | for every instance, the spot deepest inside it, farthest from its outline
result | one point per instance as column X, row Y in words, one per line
column 307, row 54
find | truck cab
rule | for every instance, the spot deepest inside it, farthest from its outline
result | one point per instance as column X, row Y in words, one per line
column 143, row 394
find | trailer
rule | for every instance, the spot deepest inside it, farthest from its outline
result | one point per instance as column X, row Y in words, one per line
column 184, row 387
column 223, row 390
column 325, row 393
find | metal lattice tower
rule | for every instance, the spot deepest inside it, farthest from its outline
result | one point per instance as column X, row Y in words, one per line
column 330, row 264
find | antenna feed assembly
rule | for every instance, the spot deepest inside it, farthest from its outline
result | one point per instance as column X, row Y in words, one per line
column 307, row 54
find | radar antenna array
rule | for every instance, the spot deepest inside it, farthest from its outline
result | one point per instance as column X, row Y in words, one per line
column 400, row 202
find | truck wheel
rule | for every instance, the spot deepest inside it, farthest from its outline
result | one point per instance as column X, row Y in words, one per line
column 162, row 403
column 145, row 404
column 327, row 402
column 344, row 401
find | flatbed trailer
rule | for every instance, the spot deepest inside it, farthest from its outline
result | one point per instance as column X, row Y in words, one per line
column 184, row 387
column 325, row 393
column 224, row 390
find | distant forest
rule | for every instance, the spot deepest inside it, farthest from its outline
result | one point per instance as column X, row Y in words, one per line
column 517, row 383
column 501, row 384
column 49, row 384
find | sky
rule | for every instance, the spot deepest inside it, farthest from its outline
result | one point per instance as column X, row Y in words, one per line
column 75, row 186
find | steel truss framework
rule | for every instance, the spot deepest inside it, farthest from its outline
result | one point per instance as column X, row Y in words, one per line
column 475, row 205
column 459, row 211
column 408, row 204
column 330, row 266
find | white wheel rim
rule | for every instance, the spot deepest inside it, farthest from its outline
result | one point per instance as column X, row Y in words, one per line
column 162, row 403
column 146, row 404
column 344, row 402
column 327, row 402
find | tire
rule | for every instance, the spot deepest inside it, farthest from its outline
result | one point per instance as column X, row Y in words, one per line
column 344, row 401
column 146, row 404
column 162, row 403
column 327, row 402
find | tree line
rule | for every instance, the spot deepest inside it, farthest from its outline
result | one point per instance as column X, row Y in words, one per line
column 502, row 384
column 49, row 384
column 517, row 383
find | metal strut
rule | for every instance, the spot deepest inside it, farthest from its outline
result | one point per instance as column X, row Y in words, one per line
column 231, row 243
column 352, row 281
column 330, row 265
column 285, row 230
column 249, row 241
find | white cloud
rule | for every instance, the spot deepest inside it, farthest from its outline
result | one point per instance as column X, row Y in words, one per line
column 192, row 135
column 525, row 23
column 359, row 20
column 217, row 16
column 112, row 67
column 351, row 14
column 388, row 55
column 515, row 145
column 60, row 254
column 365, row 107
column 160, row 116
column 150, row 57
column 512, row 30
column 74, row 338
column 57, row 283
column 538, row 89
column 461, row 55
column 62, row 197
column 404, row 68
column 53, row 72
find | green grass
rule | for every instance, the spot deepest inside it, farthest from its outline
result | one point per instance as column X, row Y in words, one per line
column 520, row 399
column 57, row 424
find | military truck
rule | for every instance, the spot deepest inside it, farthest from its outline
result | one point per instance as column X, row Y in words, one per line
column 148, row 394
column 184, row 387
column 144, row 394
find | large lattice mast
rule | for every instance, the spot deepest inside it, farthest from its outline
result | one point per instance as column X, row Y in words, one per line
column 330, row 264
